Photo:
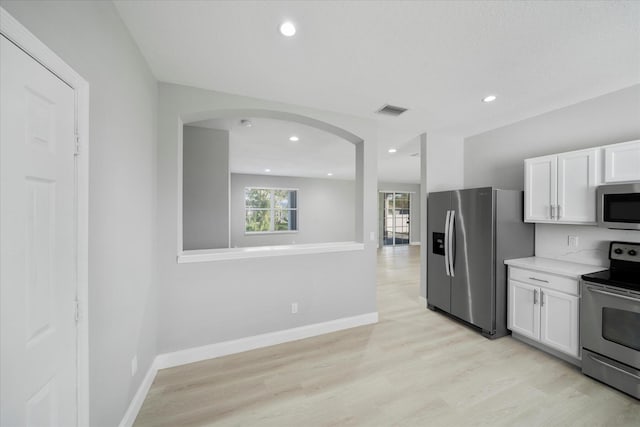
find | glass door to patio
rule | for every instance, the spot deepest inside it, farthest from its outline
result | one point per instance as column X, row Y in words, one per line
column 395, row 221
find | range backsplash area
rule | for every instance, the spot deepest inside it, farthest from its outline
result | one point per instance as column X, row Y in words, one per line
column 552, row 241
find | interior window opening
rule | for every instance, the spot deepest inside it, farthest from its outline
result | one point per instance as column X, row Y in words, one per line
column 253, row 181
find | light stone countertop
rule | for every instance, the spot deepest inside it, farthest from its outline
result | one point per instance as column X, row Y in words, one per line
column 548, row 265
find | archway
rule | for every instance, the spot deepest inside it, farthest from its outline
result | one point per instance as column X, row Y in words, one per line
column 237, row 114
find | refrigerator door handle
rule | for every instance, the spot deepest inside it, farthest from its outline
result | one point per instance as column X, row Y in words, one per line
column 446, row 245
column 452, row 221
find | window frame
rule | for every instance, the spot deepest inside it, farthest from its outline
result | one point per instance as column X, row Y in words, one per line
column 271, row 209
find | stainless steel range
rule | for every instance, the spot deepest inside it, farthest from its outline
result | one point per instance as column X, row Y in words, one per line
column 610, row 320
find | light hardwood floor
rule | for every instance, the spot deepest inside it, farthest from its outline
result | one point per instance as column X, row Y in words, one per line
column 414, row 368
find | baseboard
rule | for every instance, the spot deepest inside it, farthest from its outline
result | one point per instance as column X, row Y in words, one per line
column 225, row 348
column 423, row 300
column 197, row 354
column 138, row 399
column 414, row 243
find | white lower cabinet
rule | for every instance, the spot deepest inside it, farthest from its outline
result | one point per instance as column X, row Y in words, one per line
column 559, row 321
column 524, row 313
column 544, row 307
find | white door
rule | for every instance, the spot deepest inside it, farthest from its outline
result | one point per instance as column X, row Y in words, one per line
column 38, row 226
column 539, row 188
column 622, row 162
column 577, row 182
column 559, row 321
column 523, row 312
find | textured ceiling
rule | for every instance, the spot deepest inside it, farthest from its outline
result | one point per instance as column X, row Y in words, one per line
column 438, row 59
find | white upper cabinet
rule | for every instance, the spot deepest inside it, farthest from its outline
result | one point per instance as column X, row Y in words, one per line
column 562, row 188
column 577, row 182
column 540, row 188
column 622, row 162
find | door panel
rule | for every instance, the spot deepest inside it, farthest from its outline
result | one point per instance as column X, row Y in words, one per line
column 438, row 283
column 622, row 162
column 577, row 181
column 472, row 287
column 523, row 310
column 387, row 219
column 38, row 283
column 559, row 321
column 401, row 213
column 540, row 188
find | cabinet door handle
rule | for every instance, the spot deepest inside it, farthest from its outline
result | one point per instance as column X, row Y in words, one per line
column 538, row 280
column 535, row 296
column 559, row 211
column 541, row 298
column 550, row 211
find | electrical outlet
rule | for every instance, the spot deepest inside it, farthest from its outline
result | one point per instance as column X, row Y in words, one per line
column 294, row 307
column 134, row 365
column 572, row 241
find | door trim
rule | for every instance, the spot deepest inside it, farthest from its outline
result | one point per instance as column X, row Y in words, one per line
column 25, row 40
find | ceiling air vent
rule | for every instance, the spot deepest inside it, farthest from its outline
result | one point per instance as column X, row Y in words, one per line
column 391, row 110
column 414, row 155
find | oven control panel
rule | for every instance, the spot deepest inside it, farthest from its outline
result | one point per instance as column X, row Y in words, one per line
column 625, row 251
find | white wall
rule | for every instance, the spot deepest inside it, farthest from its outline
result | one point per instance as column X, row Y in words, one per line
column 445, row 162
column 91, row 38
column 211, row 302
column 496, row 158
column 326, row 211
column 441, row 169
column 205, row 188
column 593, row 242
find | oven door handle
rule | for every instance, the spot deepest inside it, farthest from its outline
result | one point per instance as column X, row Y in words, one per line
column 611, row 294
column 608, row 365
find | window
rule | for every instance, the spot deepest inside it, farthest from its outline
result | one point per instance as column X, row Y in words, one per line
column 270, row 210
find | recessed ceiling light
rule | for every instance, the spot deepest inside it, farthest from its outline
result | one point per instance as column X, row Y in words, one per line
column 267, row 170
column 287, row 29
column 330, row 174
column 489, row 98
column 392, row 150
column 294, row 138
column 246, row 123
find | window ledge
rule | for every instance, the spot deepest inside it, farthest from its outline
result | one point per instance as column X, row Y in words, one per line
column 262, row 233
column 206, row 255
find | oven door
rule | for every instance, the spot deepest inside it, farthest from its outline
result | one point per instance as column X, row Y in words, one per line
column 610, row 322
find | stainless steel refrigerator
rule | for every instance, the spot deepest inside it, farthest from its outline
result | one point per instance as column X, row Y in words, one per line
column 470, row 234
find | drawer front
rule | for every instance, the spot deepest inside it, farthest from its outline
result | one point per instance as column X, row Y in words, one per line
column 545, row 280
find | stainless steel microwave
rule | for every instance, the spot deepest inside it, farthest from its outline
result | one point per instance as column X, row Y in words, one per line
column 618, row 206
